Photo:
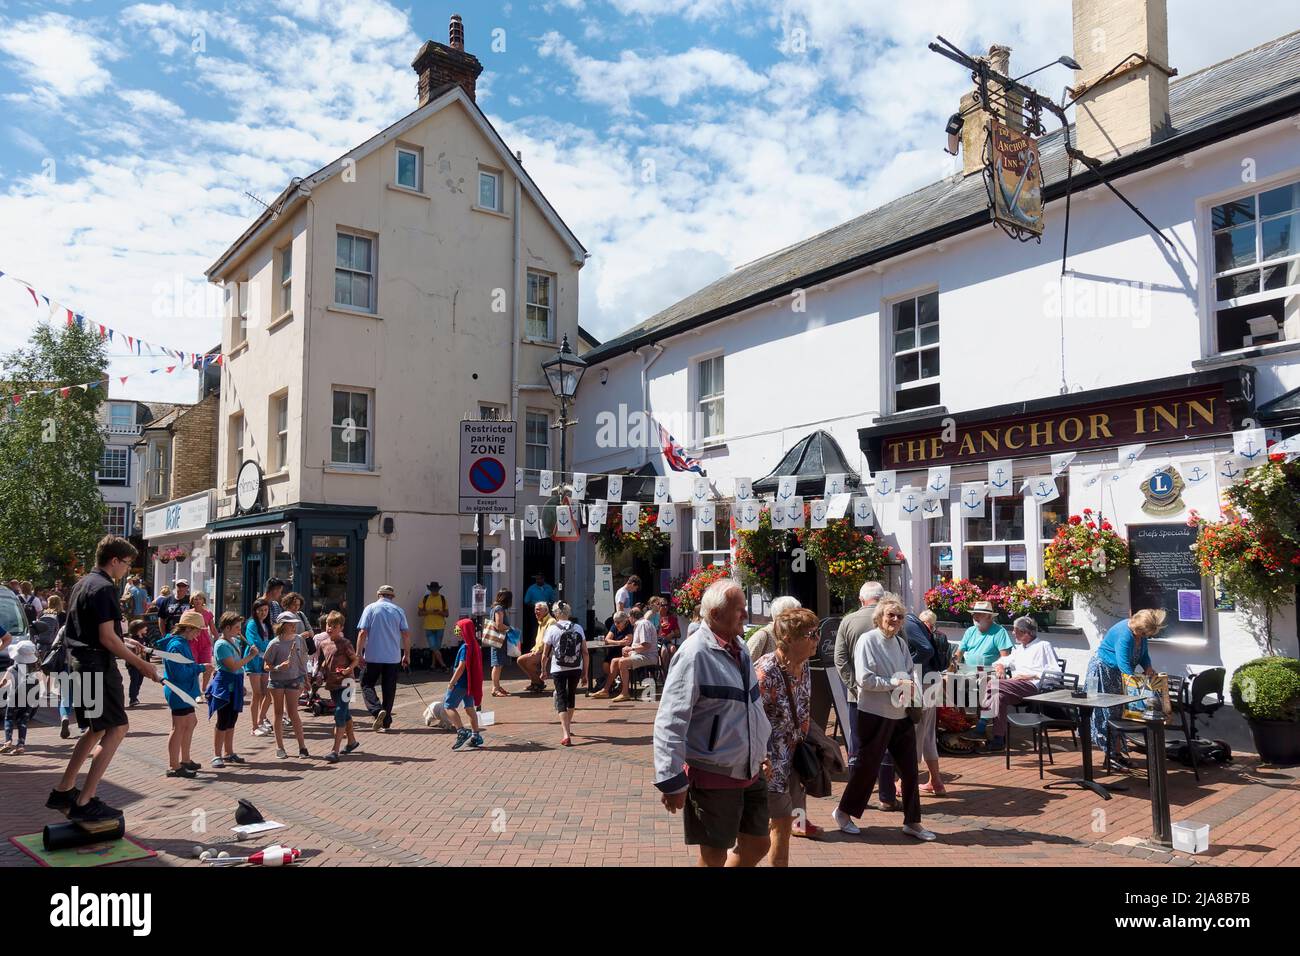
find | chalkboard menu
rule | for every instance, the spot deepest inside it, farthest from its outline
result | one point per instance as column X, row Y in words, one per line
column 1165, row 575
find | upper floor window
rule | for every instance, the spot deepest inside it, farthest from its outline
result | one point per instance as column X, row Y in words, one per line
column 115, row 519
column 490, row 413
column 915, row 347
column 286, row 279
column 709, row 400
column 113, row 466
column 235, row 457
column 539, row 323
column 158, row 474
column 350, row 430
column 408, row 167
column 1257, row 268
column 354, row 272
column 279, row 431
column 489, row 190
column 537, row 441
column 121, row 416
column 240, row 316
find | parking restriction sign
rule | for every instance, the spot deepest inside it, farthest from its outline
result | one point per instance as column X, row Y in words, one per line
column 487, row 468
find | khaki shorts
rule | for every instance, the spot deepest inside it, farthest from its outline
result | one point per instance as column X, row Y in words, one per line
column 787, row 804
column 640, row 660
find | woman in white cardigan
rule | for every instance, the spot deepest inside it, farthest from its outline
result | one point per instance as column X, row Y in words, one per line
column 882, row 666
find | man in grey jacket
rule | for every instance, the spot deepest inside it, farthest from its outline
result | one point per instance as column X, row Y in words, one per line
column 852, row 627
column 711, row 734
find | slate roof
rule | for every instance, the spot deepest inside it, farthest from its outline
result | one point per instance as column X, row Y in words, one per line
column 812, row 458
column 1211, row 104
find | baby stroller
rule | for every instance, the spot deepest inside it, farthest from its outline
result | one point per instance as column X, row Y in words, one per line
column 311, row 699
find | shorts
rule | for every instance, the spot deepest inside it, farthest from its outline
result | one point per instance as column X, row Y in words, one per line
column 113, row 712
column 714, row 818
column 182, row 711
column 566, row 689
column 457, row 697
column 636, row 661
column 791, row 802
column 291, row 683
column 342, row 709
column 227, row 717
column 434, row 637
column 499, row 657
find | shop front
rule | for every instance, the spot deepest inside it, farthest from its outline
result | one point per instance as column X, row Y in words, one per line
column 978, row 496
column 175, row 534
column 318, row 550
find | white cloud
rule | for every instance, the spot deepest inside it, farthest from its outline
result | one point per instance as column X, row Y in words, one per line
column 58, row 55
column 147, row 101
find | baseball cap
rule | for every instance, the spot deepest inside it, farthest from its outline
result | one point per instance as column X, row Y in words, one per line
column 287, row 617
column 182, row 583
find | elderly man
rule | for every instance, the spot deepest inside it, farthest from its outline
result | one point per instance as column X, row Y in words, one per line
column 1033, row 662
column 384, row 643
column 172, row 607
column 983, row 644
column 531, row 663
column 711, row 734
column 852, row 627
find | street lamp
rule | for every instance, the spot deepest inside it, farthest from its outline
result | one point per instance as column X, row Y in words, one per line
column 563, row 373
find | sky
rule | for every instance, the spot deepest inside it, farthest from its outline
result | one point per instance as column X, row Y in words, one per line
column 679, row 139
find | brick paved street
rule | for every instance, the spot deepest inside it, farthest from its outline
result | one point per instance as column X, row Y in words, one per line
column 406, row 798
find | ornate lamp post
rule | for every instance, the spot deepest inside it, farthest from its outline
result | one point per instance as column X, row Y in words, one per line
column 563, row 373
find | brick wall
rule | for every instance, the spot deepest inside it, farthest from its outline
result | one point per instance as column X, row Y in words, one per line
column 194, row 449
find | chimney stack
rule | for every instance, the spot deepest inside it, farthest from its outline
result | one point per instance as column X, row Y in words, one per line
column 440, row 65
column 1009, row 108
column 1123, row 47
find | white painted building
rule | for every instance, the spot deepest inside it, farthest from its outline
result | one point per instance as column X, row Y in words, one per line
column 921, row 315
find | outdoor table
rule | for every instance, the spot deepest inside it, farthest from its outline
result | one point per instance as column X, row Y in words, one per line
column 1085, row 704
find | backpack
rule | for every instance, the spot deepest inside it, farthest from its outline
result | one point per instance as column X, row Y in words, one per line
column 29, row 609
column 568, row 647
column 942, row 652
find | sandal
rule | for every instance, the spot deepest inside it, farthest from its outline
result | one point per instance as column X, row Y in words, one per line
column 499, row 692
column 932, row 791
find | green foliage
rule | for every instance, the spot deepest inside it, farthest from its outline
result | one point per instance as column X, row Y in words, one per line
column 1268, row 688
column 51, row 511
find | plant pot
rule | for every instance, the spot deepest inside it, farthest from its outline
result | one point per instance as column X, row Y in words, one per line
column 1044, row 618
column 1278, row 741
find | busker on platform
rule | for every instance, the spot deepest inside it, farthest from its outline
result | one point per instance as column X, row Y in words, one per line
column 710, row 737
column 257, row 635
column 338, row 661
column 465, row 687
column 1123, row 650
column 565, row 656
column 185, row 678
column 226, row 690
column 286, row 664
column 384, row 643
column 785, row 685
column 882, row 667
column 94, row 639
column 852, row 627
column 531, row 663
column 433, row 616
column 763, row 641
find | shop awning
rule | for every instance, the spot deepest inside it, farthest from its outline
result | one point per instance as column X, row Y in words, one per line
column 1285, row 409
column 811, row 459
column 257, row 531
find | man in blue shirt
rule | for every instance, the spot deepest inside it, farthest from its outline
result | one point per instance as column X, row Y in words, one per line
column 139, row 598
column 539, row 591
column 384, row 643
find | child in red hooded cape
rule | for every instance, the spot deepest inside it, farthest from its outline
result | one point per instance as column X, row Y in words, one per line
column 466, row 687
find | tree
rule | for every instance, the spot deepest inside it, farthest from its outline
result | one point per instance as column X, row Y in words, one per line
column 51, row 511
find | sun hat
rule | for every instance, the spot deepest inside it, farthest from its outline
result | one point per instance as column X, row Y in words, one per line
column 287, row 617
column 25, row 652
column 435, row 586
column 181, row 583
column 386, row 589
column 192, row 619
column 982, row 607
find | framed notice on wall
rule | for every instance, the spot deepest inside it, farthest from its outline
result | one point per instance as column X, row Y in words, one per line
column 1165, row 575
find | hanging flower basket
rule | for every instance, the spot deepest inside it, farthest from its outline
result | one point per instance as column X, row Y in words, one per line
column 1084, row 554
column 688, row 589
column 847, row 555
column 757, row 552
column 645, row 541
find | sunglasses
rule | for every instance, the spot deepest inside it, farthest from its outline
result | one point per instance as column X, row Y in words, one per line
column 893, row 617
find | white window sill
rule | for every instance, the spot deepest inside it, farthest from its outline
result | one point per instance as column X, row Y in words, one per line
column 1243, row 355
column 548, row 343
column 276, row 476
column 491, row 212
column 284, row 319
column 348, row 310
column 239, row 349
column 398, row 188
column 342, row 470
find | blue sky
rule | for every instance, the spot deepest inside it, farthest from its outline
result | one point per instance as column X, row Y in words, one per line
column 678, row 138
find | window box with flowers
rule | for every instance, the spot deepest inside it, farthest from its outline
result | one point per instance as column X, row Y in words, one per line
column 951, row 600
column 688, row 589
column 1254, row 550
column 1024, row 599
column 1083, row 556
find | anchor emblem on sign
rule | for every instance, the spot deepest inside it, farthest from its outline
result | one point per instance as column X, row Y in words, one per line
column 835, row 487
column 750, row 514
column 940, row 486
column 883, row 487
column 974, row 499
column 1228, row 471
column 795, row 512
column 666, row 519
column 1197, row 475
column 910, row 499
column 1043, row 491
column 931, row 506
column 818, row 513
column 999, row 483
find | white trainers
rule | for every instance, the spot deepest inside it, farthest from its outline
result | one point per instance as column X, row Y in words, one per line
column 845, row 822
column 217, row 763
column 918, row 831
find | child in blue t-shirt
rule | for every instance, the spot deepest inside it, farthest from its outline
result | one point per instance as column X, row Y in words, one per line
column 184, row 677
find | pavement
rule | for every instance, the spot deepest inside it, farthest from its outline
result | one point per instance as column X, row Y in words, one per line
column 405, row 798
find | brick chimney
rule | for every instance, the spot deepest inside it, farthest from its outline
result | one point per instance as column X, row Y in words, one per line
column 1123, row 47
column 440, row 64
column 1009, row 109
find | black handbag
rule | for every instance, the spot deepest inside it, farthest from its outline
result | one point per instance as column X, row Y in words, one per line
column 804, row 760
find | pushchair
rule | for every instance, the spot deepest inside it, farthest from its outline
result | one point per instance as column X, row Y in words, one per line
column 311, row 699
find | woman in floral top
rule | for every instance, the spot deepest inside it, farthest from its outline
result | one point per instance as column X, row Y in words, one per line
column 786, row 686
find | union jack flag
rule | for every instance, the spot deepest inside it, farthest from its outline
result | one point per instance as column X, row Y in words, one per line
column 676, row 455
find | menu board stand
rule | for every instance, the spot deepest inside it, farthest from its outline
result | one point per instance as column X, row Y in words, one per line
column 1165, row 575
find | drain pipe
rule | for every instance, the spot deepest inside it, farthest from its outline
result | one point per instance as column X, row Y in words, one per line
column 645, row 397
column 516, row 255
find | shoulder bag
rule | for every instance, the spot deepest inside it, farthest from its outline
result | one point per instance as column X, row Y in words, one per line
column 493, row 636
column 803, row 760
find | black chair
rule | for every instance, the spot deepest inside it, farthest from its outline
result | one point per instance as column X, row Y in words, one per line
column 1191, row 701
column 1117, row 727
column 1063, row 716
column 1033, row 722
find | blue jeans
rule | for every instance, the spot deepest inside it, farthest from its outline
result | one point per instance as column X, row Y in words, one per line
column 434, row 637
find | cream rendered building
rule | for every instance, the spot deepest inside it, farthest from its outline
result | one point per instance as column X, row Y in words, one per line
column 420, row 279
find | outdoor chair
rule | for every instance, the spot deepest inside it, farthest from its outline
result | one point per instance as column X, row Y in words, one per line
column 1193, row 701
column 1063, row 716
column 1033, row 722
column 1117, row 727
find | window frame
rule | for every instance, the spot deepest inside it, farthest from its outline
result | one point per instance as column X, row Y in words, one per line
column 112, row 415
column 498, row 181
column 549, row 306
column 109, row 527
column 277, row 432
column 101, row 475
column 699, row 399
column 284, row 264
column 240, row 313
column 469, row 543
column 416, row 152
column 369, row 428
column 1210, row 292
column 235, row 449
column 892, row 351
column 373, row 274
column 529, row 415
